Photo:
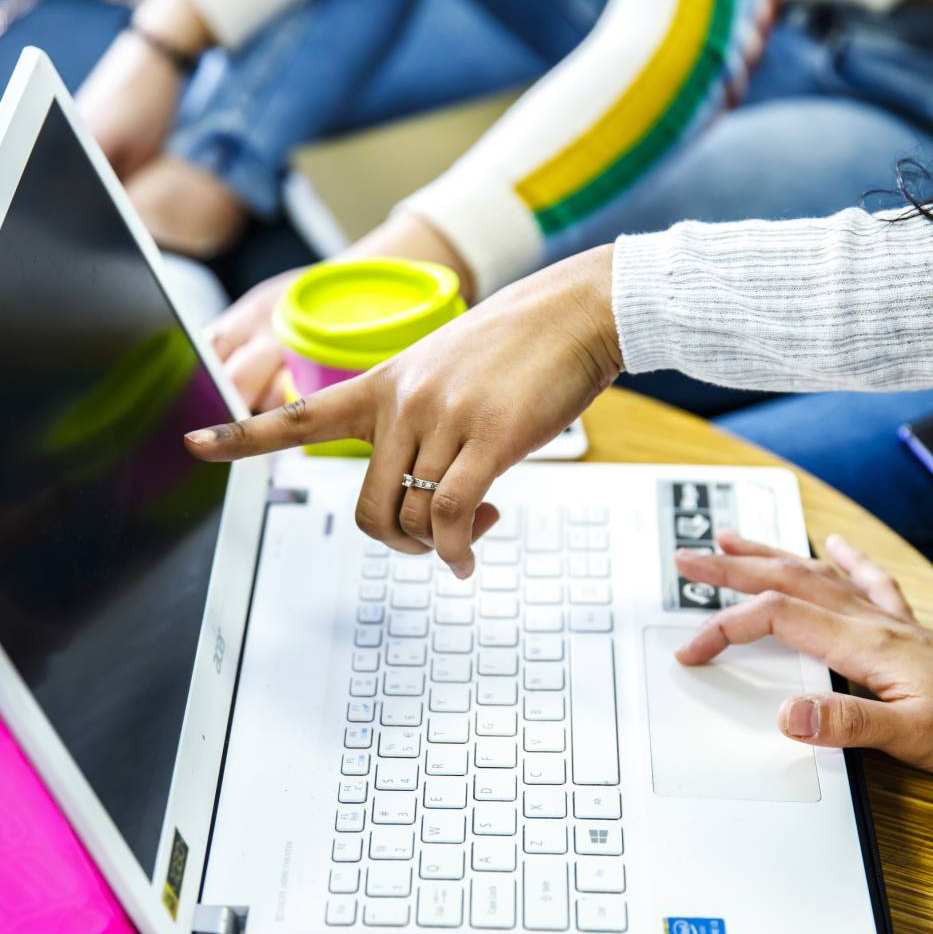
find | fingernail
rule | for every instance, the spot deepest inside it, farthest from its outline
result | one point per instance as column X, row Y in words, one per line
column 803, row 718
column 463, row 569
column 833, row 540
column 688, row 554
column 201, row 436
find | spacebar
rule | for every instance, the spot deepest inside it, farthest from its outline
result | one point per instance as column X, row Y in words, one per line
column 593, row 712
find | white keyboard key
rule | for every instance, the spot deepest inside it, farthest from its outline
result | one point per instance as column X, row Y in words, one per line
column 446, row 760
column 545, row 837
column 372, row 613
column 597, row 593
column 499, row 663
column 347, row 849
column 358, row 737
column 374, row 570
column 448, row 729
column 399, row 742
column 546, row 900
column 544, row 706
column 494, row 820
column 363, row 686
column 355, row 763
column 496, row 754
column 588, row 515
column 583, row 539
column 499, row 552
column 507, row 528
column 453, row 641
column 544, row 770
column 498, row 634
column 407, row 653
column 410, row 597
column 451, row 669
column 391, row 843
column 344, row 881
column 361, row 711
column 491, row 855
column 492, row 902
column 545, row 802
column 449, row 586
column 396, row 775
column 544, row 648
column 496, row 721
column 445, row 793
column 598, row 839
column 386, row 914
column 442, row 861
column 352, row 791
column 545, row 737
column 401, row 683
column 588, row 565
column 408, row 624
column 388, row 880
column 600, row 874
column 544, row 619
column 543, row 531
column 350, row 819
column 393, row 807
column 597, row 804
column 604, row 913
column 367, row 637
column 366, row 660
column 590, row 619
column 411, row 571
column 594, row 730
column 498, row 606
column 440, row 905
column 443, row 827
column 449, row 698
column 372, row 591
column 542, row 566
column 453, row 612
column 400, row 712
column 543, row 593
column 499, row 578
column 374, row 549
column 544, row 676
column 341, row 911
column 493, row 785
column 496, row 692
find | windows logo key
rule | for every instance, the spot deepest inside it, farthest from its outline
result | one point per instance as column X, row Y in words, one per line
column 598, row 837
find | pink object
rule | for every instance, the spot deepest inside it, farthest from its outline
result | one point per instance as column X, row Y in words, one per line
column 309, row 376
column 48, row 882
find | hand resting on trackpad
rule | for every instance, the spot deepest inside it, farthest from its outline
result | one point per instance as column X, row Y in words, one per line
column 713, row 727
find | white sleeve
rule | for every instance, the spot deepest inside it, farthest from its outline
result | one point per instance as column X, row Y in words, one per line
column 234, row 21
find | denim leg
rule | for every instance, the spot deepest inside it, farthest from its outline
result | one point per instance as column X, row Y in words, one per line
column 850, row 441
column 74, row 34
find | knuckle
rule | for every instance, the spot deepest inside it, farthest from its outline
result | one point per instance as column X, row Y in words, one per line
column 447, row 506
column 413, row 520
column 772, row 602
column 368, row 519
column 293, row 413
column 791, row 569
column 850, row 723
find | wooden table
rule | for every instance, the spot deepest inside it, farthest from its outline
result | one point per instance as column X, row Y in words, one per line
column 624, row 426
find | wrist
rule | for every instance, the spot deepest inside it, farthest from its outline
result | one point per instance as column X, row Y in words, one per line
column 595, row 266
column 174, row 23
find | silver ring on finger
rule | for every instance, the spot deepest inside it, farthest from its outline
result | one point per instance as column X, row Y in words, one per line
column 416, row 483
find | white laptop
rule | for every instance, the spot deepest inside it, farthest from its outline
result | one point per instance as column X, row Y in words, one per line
column 257, row 720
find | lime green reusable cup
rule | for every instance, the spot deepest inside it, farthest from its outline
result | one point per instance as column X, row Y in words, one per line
column 340, row 318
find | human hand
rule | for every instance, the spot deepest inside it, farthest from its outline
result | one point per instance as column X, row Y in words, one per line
column 856, row 621
column 458, row 407
column 242, row 336
column 129, row 99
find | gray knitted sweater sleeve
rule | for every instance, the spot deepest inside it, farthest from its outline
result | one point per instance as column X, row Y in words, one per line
column 842, row 302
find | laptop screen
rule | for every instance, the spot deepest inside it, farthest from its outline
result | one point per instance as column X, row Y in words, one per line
column 107, row 526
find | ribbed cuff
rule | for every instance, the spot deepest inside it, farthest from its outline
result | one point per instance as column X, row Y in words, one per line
column 491, row 229
column 234, row 21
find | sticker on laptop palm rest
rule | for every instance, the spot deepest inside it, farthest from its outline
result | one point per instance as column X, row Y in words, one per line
column 48, row 882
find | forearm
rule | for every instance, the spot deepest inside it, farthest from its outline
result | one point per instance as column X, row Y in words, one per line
column 843, row 302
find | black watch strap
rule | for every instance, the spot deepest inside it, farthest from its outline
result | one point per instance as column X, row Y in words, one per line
column 183, row 61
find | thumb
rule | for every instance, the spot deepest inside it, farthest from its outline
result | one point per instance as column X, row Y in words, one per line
column 839, row 720
column 344, row 410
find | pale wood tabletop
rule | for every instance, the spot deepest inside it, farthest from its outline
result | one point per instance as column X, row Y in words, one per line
column 626, row 427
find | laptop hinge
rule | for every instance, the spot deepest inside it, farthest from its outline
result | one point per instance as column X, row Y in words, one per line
column 219, row 919
column 286, row 496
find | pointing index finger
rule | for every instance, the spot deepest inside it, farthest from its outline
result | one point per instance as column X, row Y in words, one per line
column 341, row 411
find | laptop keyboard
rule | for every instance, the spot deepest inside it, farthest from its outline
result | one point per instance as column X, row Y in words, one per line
column 479, row 781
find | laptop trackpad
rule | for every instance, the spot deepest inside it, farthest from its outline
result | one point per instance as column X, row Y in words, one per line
column 714, row 727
